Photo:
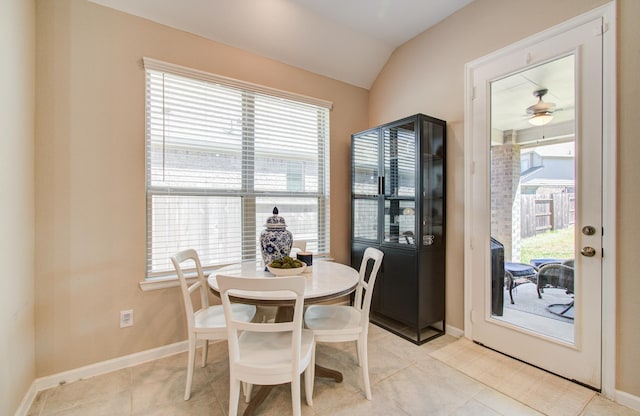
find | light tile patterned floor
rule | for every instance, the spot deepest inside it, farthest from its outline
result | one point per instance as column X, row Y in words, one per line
column 406, row 380
column 534, row 387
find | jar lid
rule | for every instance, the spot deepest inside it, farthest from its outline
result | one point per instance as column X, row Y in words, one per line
column 276, row 221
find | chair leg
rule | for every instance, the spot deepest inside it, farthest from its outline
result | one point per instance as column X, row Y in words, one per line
column 359, row 353
column 362, row 346
column 191, row 362
column 248, row 388
column 309, row 374
column 205, row 352
column 234, row 396
column 511, row 286
column 295, row 396
column 565, row 307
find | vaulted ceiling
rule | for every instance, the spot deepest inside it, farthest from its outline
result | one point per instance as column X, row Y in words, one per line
column 348, row 40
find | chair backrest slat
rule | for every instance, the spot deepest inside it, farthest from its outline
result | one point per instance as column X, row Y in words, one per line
column 366, row 284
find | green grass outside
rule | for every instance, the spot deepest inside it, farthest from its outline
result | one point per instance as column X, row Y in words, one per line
column 551, row 244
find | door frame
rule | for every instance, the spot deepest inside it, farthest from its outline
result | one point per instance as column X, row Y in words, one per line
column 609, row 151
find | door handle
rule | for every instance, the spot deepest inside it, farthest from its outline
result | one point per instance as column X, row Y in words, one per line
column 588, row 251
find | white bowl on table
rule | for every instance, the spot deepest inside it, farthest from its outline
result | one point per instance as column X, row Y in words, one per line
column 293, row 271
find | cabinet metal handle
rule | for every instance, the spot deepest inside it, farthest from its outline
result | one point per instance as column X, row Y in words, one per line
column 381, row 185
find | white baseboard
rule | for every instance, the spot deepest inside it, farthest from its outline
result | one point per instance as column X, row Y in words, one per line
column 27, row 400
column 453, row 331
column 628, row 400
column 96, row 369
column 109, row 365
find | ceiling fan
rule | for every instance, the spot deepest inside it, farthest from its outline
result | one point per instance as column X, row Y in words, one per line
column 541, row 112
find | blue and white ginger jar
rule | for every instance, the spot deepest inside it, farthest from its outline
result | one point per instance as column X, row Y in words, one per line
column 275, row 240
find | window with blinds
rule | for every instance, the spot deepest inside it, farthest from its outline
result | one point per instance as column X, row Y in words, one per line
column 220, row 154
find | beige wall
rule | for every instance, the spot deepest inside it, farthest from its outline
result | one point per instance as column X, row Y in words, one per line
column 17, row 89
column 628, row 229
column 427, row 75
column 90, row 177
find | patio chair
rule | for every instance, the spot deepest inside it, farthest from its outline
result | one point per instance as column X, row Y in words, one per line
column 517, row 274
column 558, row 276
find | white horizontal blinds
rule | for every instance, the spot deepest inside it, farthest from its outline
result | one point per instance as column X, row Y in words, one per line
column 365, row 184
column 194, row 154
column 400, row 175
column 194, row 130
column 365, row 218
column 291, row 168
column 219, row 158
column 400, row 160
column 365, row 164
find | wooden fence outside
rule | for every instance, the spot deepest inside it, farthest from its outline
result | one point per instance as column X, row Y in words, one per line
column 541, row 213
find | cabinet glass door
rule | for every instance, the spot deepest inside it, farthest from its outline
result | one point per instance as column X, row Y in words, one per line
column 399, row 143
column 365, row 185
column 433, row 182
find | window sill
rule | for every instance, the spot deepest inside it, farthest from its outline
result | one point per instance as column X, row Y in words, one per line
column 161, row 283
column 166, row 282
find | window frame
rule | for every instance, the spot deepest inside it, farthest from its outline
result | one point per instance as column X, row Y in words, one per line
column 247, row 193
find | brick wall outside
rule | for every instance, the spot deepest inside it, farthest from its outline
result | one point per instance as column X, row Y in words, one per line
column 505, row 198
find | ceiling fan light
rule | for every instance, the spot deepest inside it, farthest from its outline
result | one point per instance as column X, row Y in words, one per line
column 541, row 119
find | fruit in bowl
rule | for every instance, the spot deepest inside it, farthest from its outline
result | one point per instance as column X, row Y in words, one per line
column 286, row 266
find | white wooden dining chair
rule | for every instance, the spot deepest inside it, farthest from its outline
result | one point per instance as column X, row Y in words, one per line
column 268, row 353
column 208, row 322
column 341, row 323
column 298, row 246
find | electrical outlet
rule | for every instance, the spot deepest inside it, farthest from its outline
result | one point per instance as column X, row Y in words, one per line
column 126, row 318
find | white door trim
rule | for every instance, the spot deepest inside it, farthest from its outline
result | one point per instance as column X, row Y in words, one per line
column 608, row 14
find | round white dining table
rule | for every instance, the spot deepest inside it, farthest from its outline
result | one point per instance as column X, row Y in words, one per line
column 326, row 281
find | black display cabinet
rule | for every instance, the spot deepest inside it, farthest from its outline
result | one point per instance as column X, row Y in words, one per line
column 398, row 206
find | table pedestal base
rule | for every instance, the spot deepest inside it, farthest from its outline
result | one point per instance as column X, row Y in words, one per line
column 325, row 372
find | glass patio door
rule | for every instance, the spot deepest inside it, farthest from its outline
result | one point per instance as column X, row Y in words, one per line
column 534, row 204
